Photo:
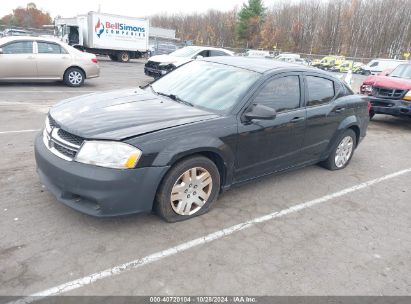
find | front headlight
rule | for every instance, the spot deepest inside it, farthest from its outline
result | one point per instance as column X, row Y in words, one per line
column 108, row 154
column 408, row 96
column 367, row 88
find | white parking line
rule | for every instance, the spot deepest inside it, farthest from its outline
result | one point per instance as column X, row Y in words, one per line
column 19, row 131
column 75, row 284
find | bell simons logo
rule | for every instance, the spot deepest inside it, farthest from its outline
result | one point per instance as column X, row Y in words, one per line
column 118, row 29
column 99, row 28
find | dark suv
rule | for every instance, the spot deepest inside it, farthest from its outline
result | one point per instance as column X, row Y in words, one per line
column 173, row 146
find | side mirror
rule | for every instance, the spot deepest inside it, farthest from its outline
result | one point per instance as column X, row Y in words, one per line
column 199, row 57
column 1, row 51
column 258, row 111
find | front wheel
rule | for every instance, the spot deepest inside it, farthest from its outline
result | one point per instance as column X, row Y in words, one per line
column 74, row 77
column 342, row 152
column 189, row 189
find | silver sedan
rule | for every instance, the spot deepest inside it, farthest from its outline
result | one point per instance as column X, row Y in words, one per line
column 37, row 58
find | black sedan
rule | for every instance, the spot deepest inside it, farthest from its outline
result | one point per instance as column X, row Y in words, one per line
column 174, row 145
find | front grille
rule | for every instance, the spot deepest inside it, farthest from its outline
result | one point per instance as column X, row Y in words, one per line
column 71, row 138
column 387, row 93
column 152, row 64
column 63, row 150
column 60, row 142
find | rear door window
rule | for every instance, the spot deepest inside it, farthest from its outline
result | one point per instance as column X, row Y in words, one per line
column 320, row 90
column 49, row 48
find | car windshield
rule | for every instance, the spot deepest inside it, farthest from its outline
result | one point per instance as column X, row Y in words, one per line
column 207, row 85
column 402, row 71
column 185, row 52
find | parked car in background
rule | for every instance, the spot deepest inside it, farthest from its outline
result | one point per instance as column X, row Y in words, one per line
column 174, row 145
column 376, row 66
column 160, row 65
column 257, row 54
column 286, row 57
column 329, row 61
column 357, row 66
column 163, row 49
column 16, row 32
column 390, row 93
column 347, row 65
column 295, row 60
column 37, row 58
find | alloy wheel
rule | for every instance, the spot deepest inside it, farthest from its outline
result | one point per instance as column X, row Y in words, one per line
column 191, row 191
column 344, row 151
column 75, row 77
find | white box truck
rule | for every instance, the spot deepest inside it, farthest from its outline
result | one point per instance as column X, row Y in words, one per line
column 119, row 37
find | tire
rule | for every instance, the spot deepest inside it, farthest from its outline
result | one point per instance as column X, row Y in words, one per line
column 113, row 57
column 74, row 77
column 124, row 57
column 332, row 163
column 372, row 114
column 188, row 202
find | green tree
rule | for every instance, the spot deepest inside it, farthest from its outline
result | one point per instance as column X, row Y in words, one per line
column 249, row 22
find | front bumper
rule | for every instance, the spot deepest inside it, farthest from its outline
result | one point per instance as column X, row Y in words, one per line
column 95, row 190
column 395, row 107
column 152, row 72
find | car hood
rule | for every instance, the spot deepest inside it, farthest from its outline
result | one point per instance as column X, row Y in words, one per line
column 388, row 82
column 177, row 61
column 121, row 114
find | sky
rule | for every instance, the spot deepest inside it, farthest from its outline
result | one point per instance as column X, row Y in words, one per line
column 134, row 8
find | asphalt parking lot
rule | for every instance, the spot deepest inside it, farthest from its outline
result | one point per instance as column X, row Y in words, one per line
column 336, row 233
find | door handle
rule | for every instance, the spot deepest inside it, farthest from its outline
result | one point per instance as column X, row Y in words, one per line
column 64, row 57
column 30, row 57
column 297, row 119
column 339, row 110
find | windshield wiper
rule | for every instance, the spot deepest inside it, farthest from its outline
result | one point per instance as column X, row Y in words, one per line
column 175, row 98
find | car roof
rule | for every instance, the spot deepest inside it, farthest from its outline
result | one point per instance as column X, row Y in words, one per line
column 209, row 48
column 260, row 65
column 7, row 39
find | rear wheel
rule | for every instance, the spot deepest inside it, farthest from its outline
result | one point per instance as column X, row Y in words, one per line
column 342, row 152
column 189, row 189
column 124, row 57
column 74, row 77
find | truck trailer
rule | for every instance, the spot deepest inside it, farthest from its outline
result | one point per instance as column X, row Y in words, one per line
column 119, row 37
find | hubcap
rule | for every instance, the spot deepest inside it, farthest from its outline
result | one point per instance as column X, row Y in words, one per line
column 75, row 77
column 344, row 151
column 124, row 57
column 191, row 191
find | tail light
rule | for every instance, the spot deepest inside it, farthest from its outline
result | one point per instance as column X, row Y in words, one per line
column 94, row 60
column 369, row 106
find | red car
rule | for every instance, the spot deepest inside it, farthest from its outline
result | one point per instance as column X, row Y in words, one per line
column 390, row 93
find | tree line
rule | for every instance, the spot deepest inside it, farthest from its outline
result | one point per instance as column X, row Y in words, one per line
column 28, row 17
column 354, row 28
